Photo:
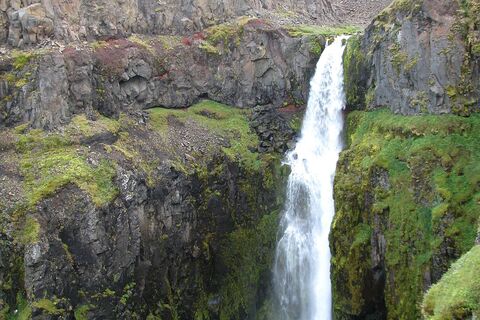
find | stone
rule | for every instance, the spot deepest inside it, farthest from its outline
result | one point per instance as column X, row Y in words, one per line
column 413, row 61
column 124, row 77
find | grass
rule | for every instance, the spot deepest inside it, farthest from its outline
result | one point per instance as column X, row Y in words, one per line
column 311, row 30
column 80, row 125
column 30, row 231
column 457, row 294
column 81, row 312
column 51, row 161
column 24, row 310
column 223, row 34
column 48, row 306
column 21, row 59
column 222, row 120
column 432, row 165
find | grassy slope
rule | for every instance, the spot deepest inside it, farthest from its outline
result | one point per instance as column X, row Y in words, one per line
column 457, row 295
column 432, row 198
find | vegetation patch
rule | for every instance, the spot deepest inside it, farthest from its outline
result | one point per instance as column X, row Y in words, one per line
column 223, row 34
column 81, row 312
column 23, row 310
column 225, row 121
column 51, row 161
column 419, row 175
column 354, row 63
column 49, row 306
column 248, row 255
column 457, row 294
column 311, row 30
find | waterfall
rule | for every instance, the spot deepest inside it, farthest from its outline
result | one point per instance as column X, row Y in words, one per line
column 302, row 262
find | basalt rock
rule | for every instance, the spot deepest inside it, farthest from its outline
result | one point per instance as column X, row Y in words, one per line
column 252, row 64
column 274, row 128
column 417, row 57
column 29, row 22
column 185, row 217
column 392, row 237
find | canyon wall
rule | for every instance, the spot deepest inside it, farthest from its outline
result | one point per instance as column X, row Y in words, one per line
column 407, row 185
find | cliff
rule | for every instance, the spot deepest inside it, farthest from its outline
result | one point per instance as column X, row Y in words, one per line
column 244, row 63
column 417, row 57
column 126, row 193
column 166, row 214
column 407, row 185
column 29, row 22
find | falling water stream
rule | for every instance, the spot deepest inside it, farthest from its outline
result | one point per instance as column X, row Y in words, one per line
column 302, row 261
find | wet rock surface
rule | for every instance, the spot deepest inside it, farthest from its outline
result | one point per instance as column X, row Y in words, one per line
column 274, row 128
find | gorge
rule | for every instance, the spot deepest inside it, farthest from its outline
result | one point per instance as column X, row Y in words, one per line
column 142, row 147
column 302, row 262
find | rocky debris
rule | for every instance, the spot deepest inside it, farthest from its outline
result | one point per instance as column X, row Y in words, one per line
column 28, row 22
column 256, row 65
column 413, row 59
column 273, row 129
column 358, row 12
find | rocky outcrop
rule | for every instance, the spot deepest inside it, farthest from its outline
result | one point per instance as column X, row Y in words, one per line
column 417, row 57
column 405, row 210
column 165, row 213
column 29, row 22
column 276, row 127
column 246, row 63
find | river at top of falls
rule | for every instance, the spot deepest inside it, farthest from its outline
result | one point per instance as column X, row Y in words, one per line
column 302, row 262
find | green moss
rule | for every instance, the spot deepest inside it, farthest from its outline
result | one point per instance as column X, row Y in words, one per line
column 476, row 49
column 354, row 69
column 169, row 42
column 50, row 161
column 81, row 312
column 457, row 294
column 224, row 34
column 312, row 30
column 24, row 310
column 248, row 255
column 80, row 125
column 21, row 59
column 405, row 8
column 48, row 306
column 362, row 235
column 208, row 47
column 398, row 58
column 316, row 46
column 430, row 167
column 142, row 42
column 30, row 231
column 225, row 121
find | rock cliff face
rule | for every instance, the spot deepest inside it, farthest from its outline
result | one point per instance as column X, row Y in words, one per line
column 244, row 63
column 417, row 57
column 28, row 22
column 405, row 207
column 168, row 214
column 31, row 21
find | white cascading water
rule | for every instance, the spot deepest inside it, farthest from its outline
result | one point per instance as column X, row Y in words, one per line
column 302, row 262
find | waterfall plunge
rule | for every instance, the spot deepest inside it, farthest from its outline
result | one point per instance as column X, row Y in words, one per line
column 302, row 262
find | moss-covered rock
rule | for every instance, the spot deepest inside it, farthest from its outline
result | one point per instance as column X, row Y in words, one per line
column 406, row 191
column 457, row 294
column 394, row 64
column 181, row 207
